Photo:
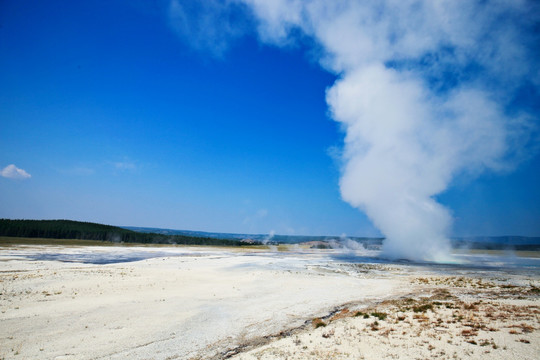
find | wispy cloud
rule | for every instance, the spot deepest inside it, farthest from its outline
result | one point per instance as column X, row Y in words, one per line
column 208, row 25
column 124, row 165
column 254, row 218
column 13, row 172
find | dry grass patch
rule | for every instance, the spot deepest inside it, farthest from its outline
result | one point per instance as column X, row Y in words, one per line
column 341, row 314
column 318, row 322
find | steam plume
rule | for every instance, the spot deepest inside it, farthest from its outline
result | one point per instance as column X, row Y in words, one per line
column 426, row 91
column 424, row 94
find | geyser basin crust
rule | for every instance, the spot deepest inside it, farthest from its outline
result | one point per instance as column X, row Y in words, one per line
column 201, row 303
column 198, row 304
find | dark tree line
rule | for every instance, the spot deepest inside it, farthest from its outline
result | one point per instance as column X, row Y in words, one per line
column 68, row 229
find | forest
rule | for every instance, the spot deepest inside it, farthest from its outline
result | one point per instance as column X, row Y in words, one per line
column 77, row 230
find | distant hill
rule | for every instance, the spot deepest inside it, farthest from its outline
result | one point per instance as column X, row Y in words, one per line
column 68, row 229
column 266, row 238
column 498, row 242
column 472, row 242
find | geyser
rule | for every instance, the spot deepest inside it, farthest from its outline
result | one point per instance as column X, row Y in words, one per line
column 424, row 93
column 402, row 147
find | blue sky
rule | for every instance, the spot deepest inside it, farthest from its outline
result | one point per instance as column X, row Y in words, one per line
column 119, row 119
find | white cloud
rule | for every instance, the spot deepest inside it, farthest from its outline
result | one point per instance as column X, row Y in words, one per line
column 13, row 172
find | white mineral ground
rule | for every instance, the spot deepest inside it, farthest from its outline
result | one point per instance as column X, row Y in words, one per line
column 200, row 303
